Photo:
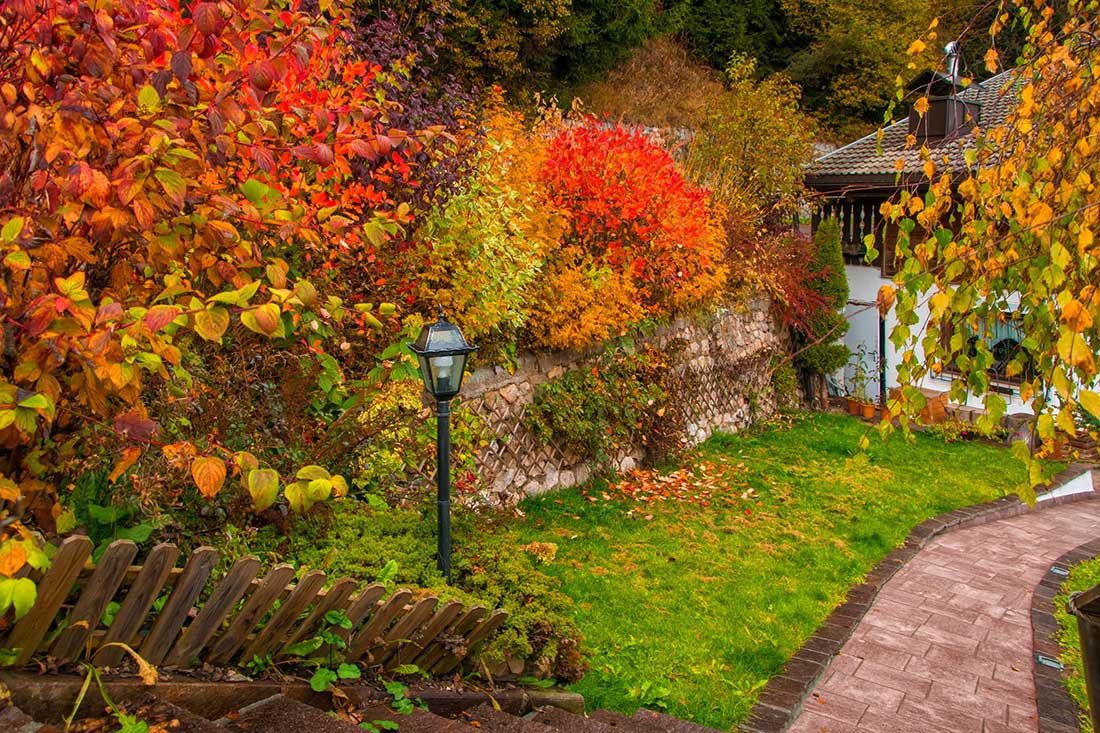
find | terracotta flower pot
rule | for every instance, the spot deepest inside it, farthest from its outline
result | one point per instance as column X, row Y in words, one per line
column 868, row 410
column 853, row 406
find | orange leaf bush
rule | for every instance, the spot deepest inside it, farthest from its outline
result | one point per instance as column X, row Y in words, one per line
column 635, row 216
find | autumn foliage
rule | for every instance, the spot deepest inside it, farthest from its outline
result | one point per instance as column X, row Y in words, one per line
column 175, row 176
column 1015, row 236
column 219, row 223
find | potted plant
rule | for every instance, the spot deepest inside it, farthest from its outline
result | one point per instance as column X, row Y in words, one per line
column 858, row 403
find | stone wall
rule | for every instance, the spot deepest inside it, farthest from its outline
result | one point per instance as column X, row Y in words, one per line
column 721, row 379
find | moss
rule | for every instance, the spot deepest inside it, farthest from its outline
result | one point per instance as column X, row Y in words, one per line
column 350, row 538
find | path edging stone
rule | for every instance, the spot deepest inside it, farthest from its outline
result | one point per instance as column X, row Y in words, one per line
column 1057, row 710
column 781, row 699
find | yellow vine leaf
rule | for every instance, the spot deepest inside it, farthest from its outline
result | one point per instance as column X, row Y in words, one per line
column 1091, row 402
column 13, row 556
column 1076, row 316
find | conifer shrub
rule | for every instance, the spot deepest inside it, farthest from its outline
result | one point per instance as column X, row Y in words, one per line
column 819, row 351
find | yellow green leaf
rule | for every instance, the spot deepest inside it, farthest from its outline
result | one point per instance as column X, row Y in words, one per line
column 1091, row 402
column 211, row 323
column 263, row 486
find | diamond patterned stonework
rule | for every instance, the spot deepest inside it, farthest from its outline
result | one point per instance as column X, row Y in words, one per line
column 721, row 378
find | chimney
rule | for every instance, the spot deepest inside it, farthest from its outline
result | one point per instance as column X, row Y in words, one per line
column 947, row 115
column 951, row 53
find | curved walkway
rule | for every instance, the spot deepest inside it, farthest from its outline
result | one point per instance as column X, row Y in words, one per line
column 946, row 645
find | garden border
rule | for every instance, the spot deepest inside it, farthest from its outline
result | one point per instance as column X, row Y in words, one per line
column 782, row 697
column 1057, row 711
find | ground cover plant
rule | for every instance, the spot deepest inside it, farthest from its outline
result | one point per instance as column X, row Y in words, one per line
column 691, row 588
column 1081, row 577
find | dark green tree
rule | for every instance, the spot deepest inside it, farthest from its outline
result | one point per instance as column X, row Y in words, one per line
column 818, row 350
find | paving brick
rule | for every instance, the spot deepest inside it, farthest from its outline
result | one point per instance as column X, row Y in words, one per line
column 949, row 696
column 896, row 642
column 836, row 706
column 959, row 642
column 881, row 698
column 946, row 644
column 934, row 670
column 812, row 722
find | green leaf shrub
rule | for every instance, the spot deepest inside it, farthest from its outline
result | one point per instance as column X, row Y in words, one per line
column 594, row 409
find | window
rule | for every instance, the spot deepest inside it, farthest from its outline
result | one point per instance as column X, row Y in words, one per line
column 1002, row 339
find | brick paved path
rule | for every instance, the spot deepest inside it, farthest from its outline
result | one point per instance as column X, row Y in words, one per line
column 947, row 644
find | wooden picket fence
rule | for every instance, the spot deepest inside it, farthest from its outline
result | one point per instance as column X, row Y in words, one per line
column 243, row 616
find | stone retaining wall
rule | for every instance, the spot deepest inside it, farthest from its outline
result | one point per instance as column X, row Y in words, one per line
column 721, row 377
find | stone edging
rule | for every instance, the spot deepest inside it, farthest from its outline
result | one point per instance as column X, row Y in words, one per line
column 781, row 699
column 1057, row 710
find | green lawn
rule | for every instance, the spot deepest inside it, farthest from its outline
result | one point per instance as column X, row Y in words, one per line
column 693, row 590
column 1081, row 577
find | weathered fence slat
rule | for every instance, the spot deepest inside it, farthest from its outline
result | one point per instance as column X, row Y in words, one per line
column 96, row 594
column 220, row 604
column 52, row 592
column 174, row 613
column 402, row 631
column 361, row 607
column 259, row 603
column 437, row 649
column 378, row 624
column 447, row 613
column 387, row 632
column 146, row 586
column 335, row 598
column 488, row 626
column 273, row 631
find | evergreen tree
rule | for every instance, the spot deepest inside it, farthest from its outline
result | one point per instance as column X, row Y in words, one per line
column 829, row 324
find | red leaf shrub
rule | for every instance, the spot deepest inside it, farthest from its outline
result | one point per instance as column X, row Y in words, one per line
column 633, row 212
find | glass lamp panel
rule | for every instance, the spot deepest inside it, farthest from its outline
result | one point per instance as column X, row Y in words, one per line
column 446, row 337
column 425, row 373
column 443, row 376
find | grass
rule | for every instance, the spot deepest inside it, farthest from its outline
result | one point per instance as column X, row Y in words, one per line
column 693, row 589
column 1081, row 577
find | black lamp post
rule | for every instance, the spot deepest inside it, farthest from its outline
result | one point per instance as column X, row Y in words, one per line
column 442, row 350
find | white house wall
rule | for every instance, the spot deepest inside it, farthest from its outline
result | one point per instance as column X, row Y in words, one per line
column 863, row 286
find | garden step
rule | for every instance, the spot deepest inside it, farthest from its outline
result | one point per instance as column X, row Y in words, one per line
column 280, row 714
column 623, row 723
column 671, row 724
column 159, row 712
column 488, row 718
column 14, row 720
column 418, row 721
column 565, row 722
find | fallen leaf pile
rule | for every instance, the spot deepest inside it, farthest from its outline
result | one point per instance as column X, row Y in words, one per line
column 703, row 484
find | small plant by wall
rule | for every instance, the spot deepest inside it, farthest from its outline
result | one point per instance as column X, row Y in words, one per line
column 594, row 409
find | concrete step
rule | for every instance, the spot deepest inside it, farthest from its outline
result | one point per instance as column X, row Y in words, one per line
column 14, row 720
column 163, row 715
column 418, row 721
column 488, row 718
column 669, row 723
column 622, row 723
column 280, row 714
column 565, row 722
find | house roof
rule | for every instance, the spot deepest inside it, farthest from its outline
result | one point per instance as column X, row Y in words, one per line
column 871, row 163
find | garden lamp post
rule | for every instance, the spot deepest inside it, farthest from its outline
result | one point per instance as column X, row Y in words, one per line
column 442, row 350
